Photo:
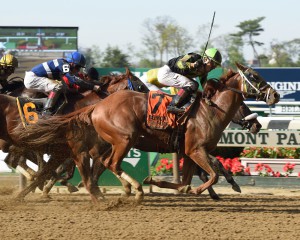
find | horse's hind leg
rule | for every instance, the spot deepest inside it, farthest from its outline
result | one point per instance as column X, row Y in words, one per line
column 52, row 164
column 184, row 186
column 83, row 163
column 226, row 174
column 68, row 164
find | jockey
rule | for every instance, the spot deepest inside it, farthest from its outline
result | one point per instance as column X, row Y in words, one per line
column 51, row 76
column 8, row 63
column 180, row 71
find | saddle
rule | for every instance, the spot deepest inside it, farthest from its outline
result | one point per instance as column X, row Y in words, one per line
column 157, row 115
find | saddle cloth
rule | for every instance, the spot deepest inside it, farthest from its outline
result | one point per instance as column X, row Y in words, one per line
column 157, row 115
column 29, row 109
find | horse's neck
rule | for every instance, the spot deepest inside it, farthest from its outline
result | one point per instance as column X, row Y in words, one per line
column 227, row 104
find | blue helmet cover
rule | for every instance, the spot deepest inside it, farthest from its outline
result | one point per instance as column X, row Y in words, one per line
column 77, row 58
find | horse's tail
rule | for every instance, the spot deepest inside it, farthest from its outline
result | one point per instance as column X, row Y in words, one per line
column 54, row 130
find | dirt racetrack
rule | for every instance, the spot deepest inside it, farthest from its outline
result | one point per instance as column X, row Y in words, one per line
column 254, row 214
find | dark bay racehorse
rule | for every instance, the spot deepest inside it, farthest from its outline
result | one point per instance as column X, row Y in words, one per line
column 16, row 88
column 119, row 120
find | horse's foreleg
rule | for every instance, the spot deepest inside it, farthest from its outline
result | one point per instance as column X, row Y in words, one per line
column 188, row 170
column 226, row 174
column 201, row 157
column 203, row 177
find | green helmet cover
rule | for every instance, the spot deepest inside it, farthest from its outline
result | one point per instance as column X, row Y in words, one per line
column 214, row 55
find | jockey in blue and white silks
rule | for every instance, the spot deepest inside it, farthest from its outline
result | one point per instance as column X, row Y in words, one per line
column 47, row 76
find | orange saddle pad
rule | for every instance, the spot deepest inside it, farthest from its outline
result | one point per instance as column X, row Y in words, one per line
column 157, row 115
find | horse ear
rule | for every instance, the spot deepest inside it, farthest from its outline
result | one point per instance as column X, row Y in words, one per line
column 128, row 73
column 241, row 67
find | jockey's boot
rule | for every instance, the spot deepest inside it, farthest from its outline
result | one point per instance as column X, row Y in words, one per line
column 51, row 101
column 178, row 100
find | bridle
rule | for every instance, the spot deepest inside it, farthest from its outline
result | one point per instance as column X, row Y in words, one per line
column 249, row 90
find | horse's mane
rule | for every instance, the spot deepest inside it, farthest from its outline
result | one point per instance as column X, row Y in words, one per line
column 112, row 79
column 227, row 75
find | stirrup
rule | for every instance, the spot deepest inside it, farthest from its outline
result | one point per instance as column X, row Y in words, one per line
column 46, row 113
column 174, row 109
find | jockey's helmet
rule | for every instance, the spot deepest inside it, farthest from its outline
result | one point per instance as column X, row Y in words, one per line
column 93, row 73
column 8, row 60
column 213, row 54
column 77, row 58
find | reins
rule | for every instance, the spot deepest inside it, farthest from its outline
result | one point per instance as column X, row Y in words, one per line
column 245, row 93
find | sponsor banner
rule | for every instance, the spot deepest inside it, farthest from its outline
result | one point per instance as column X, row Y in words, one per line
column 265, row 138
column 286, row 81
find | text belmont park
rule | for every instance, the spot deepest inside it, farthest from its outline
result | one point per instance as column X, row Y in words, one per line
column 264, row 138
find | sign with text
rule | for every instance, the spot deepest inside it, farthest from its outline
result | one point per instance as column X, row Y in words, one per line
column 287, row 109
column 265, row 138
column 286, row 81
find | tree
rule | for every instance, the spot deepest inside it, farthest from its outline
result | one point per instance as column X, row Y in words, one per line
column 284, row 54
column 93, row 56
column 164, row 37
column 251, row 29
column 114, row 57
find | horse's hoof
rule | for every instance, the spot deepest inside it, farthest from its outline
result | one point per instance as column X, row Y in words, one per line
column 185, row 189
column 46, row 196
column 148, row 180
column 194, row 191
column 19, row 199
column 102, row 198
column 215, row 197
column 139, row 197
column 72, row 188
column 125, row 195
column 236, row 188
column 80, row 185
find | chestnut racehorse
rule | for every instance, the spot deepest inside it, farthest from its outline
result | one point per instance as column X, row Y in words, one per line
column 119, row 120
column 10, row 114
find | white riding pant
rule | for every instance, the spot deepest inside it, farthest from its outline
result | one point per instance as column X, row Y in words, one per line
column 168, row 78
column 150, row 86
column 41, row 84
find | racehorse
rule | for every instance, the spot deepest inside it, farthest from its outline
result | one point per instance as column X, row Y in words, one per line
column 98, row 168
column 16, row 88
column 11, row 119
column 119, row 121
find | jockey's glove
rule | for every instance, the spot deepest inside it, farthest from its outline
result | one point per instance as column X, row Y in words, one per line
column 97, row 88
